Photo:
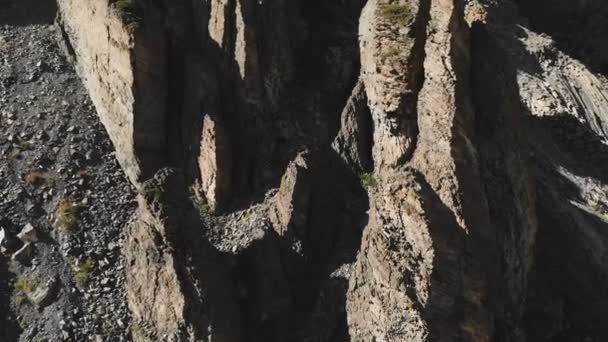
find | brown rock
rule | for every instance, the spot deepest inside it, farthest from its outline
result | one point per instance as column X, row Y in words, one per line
column 166, row 290
column 391, row 64
column 215, row 162
column 124, row 74
column 292, row 200
column 353, row 142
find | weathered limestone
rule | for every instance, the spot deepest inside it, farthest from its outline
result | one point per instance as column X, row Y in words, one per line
column 175, row 283
column 354, row 140
column 215, row 161
column 407, row 282
column 290, row 214
column 45, row 294
column 445, row 163
column 447, row 157
column 391, row 65
column 124, row 74
column 154, row 288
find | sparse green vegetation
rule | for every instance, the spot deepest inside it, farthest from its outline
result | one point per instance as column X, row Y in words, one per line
column 130, row 12
column 390, row 52
column 67, row 215
column 20, row 299
column 204, row 210
column 395, row 14
column 367, row 180
column 83, row 272
column 24, row 286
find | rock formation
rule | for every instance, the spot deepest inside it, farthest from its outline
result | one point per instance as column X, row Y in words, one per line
column 380, row 170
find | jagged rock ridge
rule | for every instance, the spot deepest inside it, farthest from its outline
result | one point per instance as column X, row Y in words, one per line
column 381, row 170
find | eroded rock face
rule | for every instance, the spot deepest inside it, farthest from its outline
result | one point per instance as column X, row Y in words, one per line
column 391, row 54
column 408, row 279
column 354, row 140
column 174, row 279
column 154, row 288
column 293, row 198
column 446, row 162
column 215, row 161
column 433, row 139
column 124, row 73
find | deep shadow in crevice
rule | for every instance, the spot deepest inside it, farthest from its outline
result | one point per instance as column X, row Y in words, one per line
column 583, row 151
column 443, row 310
column 276, row 289
column 9, row 329
column 565, row 296
column 568, row 297
column 337, row 217
column 265, row 136
column 27, row 12
column 578, row 28
column 296, row 294
column 502, row 144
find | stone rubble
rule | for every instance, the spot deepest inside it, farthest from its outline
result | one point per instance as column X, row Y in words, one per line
column 55, row 150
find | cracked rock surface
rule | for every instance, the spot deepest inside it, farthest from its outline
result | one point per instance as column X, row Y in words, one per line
column 303, row 170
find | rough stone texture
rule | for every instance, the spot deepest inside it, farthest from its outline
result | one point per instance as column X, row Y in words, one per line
column 154, row 292
column 407, row 282
column 43, row 295
column 293, row 196
column 59, row 151
column 215, row 162
column 444, row 154
column 455, row 188
column 3, row 239
column 123, row 72
column 175, row 284
column 354, row 140
column 391, row 68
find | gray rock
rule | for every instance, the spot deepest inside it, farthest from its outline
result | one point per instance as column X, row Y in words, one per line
column 43, row 296
column 28, row 234
column 25, row 254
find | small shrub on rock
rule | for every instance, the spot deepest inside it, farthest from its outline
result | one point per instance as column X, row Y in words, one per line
column 67, row 215
column 395, row 14
column 367, row 180
column 83, row 272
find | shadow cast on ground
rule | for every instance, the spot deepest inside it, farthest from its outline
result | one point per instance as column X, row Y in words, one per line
column 27, row 12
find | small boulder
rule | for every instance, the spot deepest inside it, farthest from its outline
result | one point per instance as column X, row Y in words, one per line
column 28, row 234
column 44, row 295
column 25, row 254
